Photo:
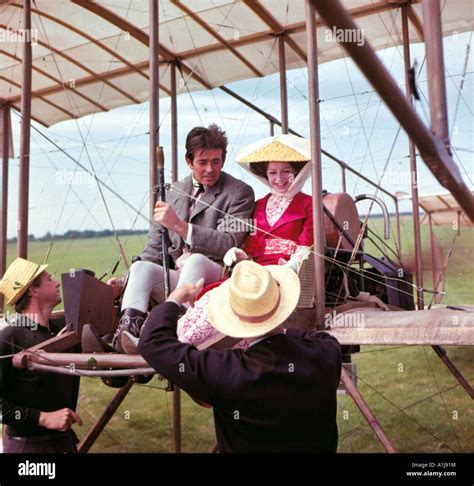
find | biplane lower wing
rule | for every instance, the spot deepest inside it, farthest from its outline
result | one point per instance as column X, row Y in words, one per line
column 368, row 326
column 437, row 326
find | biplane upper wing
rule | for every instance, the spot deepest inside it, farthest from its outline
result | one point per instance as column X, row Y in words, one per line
column 102, row 48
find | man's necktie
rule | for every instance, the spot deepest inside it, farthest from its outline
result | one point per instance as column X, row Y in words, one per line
column 198, row 190
column 198, row 187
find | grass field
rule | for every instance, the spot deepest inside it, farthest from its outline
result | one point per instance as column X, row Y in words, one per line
column 415, row 398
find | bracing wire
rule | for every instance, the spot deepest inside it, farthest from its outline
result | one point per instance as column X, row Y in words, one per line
column 400, row 409
column 174, row 188
column 461, row 83
column 411, row 405
column 442, row 399
column 117, row 240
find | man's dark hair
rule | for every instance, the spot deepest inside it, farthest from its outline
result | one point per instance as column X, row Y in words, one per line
column 25, row 299
column 212, row 137
column 260, row 168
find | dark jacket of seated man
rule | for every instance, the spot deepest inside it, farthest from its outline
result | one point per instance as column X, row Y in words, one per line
column 277, row 396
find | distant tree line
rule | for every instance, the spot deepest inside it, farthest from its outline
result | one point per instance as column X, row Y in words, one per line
column 75, row 235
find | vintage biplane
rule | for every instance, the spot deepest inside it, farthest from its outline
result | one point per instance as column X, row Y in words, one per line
column 91, row 56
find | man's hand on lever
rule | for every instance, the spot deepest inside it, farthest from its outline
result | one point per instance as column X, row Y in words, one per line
column 165, row 215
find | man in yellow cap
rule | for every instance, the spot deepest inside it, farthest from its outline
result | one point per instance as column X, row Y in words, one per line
column 38, row 408
column 279, row 395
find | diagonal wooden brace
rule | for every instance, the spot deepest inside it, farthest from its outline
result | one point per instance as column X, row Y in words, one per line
column 366, row 412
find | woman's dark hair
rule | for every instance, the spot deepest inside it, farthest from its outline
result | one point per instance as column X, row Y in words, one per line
column 212, row 137
column 260, row 168
column 24, row 301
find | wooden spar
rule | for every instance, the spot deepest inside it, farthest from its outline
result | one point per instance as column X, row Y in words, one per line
column 56, row 344
column 439, row 122
column 413, row 171
column 399, row 240
column 88, row 361
column 72, row 370
column 154, row 100
column 94, row 432
column 283, row 90
column 167, row 289
column 176, row 419
column 457, row 374
column 6, row 149
column 366, row 412
column 433, row 32
column 431, row 148
column 317, row 185
column 174, row 124
column 433, row 250
column 156, row 159
column 24, row 172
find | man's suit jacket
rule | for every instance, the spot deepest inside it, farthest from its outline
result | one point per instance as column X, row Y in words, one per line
column 215, row 229
column 277, row 396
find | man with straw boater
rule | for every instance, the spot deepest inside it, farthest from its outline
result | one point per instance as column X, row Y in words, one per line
column 279, row 395
column 38, row 408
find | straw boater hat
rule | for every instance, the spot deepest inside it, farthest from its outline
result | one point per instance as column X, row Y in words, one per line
column 18, row 277
column 255, row 300
column 280, row 148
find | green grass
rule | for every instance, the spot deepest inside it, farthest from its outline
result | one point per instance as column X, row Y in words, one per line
column 408, row 378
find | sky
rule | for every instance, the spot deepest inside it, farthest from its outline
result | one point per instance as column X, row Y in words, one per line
column 355, row 127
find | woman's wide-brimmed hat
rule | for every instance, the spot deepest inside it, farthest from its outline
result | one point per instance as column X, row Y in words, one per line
column 255, row 300
column 280, row 148
column 18, row 277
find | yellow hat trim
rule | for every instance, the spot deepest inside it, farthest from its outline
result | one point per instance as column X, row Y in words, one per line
column 274, row 152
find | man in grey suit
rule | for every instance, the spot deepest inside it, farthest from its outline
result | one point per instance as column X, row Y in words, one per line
column 206, row 214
